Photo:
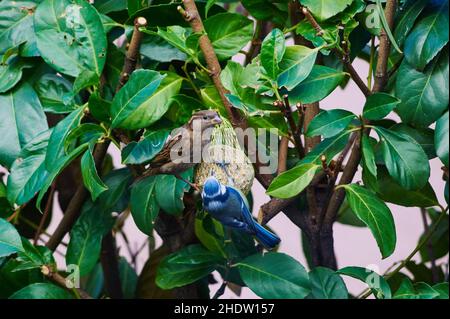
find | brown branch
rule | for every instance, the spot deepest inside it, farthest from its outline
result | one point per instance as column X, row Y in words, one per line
column 283, row 155
column 47, row 209
column 345, row 57
column 132, row 56
column 272, row 208
column 192, row 16
column 381, row 74
column 255, row 45
column 355, row 158
column 48, row 272
column 294, row 129
column 109, row 260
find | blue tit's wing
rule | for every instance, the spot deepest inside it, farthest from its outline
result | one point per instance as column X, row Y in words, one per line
column 245, row 214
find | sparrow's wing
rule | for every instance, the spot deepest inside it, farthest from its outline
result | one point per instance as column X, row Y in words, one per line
column 163, row 157
column 245, row 212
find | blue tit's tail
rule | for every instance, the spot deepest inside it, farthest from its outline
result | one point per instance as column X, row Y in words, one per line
column 268, row 239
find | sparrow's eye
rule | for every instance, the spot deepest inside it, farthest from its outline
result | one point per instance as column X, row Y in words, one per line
column 205, row 117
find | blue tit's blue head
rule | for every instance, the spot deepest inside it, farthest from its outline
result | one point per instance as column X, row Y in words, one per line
column 212, row 187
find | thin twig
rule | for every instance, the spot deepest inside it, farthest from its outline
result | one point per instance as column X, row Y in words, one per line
column 44, row 217
column 345, row 57
column 422, row 243
column 381, row 74
column 63, row 282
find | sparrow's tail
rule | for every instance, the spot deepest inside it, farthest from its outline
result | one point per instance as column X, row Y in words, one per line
column 268, row 239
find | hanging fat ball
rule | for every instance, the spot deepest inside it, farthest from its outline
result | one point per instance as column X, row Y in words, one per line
column 226, row 161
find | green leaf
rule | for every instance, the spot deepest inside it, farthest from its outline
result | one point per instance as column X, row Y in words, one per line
column 52, row 89
column 108, row 6
column 140, row 105
column 210, row 233
column 347, row 216
column 228, row 33
column 42, row 291
column 170, row 192
column 70, row 36
column 292, row 182
column 275, row 276
column 325, row 9
column 28, row 172
column 429, row 35
column 10, row 241
column 22, row 120
column 424, row 94
column 186, row 266
column 143, row 205
column 96, row 220
column 176, row 36
column 296, row 65
column 158, row 49
column 368, row 154
column 375, row 214
column 405, row 160
column 267, row 10
column 144, row 150
column 409, row 15
column 135, row 5
column 272, row 51
column 327, row 284
column 386, row 27
column 34, row 257
column 86, row 133
column 423, row 136
column 379, row 286
column 320, row 83
column 11, row 69
column 441, row 139
column 91, row 180
column 99, row 108
column 330, row 123
column 329, row 147
column 128, row 279
column 16, row 26
column 442, row 289
column 390, row 191
column 418, row 291
column 379, row 105
column 55, row 150
column 56, row 170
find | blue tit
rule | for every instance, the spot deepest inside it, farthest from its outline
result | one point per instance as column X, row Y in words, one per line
column 228, row 205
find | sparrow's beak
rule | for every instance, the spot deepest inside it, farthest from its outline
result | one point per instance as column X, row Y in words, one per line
column 217, row 120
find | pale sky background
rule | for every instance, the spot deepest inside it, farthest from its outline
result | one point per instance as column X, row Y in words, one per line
column 354, row 246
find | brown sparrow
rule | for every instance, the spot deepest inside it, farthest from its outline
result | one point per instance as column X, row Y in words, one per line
column 177, row 154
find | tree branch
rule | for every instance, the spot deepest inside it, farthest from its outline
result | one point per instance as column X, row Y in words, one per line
column 191, row 15
column 132, row 55
column 345, row 57
column 355, row 158
column 61, row 281
column 381, row 74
